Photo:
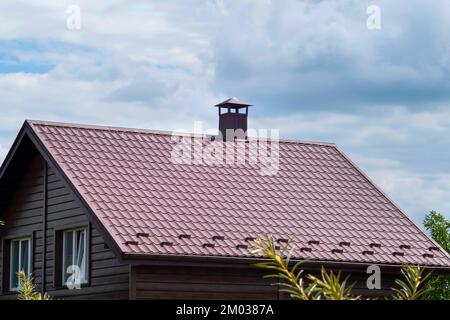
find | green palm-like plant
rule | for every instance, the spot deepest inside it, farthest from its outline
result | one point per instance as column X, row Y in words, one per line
column 291, row 281
column 329, row 286
column 414, row 287
column 27, row 289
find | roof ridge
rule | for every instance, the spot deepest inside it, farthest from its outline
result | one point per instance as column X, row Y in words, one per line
column 153, row 131
column 96, row 127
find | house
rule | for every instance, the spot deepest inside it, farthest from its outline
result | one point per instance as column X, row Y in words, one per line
column 108, row 207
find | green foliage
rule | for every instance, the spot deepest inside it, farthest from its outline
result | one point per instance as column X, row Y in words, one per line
column 2, row 223
column 27, row 289
column 291, row 281
column 414, row 287
column 438, row 288
column 439, row 228
column 329, row 286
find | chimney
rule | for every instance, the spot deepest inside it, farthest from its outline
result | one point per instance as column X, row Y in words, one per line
column 233, row 115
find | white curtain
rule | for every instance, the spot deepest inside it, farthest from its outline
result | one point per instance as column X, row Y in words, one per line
column 80, row 253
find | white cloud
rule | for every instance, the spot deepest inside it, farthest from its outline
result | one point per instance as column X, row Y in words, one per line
column 418, row 194
column 394, row 125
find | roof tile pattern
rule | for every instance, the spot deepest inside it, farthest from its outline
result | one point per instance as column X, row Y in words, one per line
column 318, row 201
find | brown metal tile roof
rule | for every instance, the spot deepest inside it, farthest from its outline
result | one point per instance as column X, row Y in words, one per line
column 319, row 202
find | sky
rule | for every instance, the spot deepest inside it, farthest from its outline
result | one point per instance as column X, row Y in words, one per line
column 313, row 69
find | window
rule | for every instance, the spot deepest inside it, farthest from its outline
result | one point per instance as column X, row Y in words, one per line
column 74, row 264
column 20, row 260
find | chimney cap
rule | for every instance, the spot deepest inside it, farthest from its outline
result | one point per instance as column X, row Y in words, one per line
column 233, row 103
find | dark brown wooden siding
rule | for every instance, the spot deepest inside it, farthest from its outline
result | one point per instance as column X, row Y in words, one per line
column 231, row 283
column 23, row 214
column 359, row 280
column 200, row 283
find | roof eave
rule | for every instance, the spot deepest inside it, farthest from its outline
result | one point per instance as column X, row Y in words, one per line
column 188, row 260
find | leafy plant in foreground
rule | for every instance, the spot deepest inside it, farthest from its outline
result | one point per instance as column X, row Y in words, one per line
column 291, row 281
column 27, row 289
column 414, row 287
column 329, row 286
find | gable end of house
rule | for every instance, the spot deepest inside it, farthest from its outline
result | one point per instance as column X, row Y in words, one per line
column 39, row 206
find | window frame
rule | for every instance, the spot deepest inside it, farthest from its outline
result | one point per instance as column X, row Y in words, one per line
column 62, row 262
column 11, row 241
